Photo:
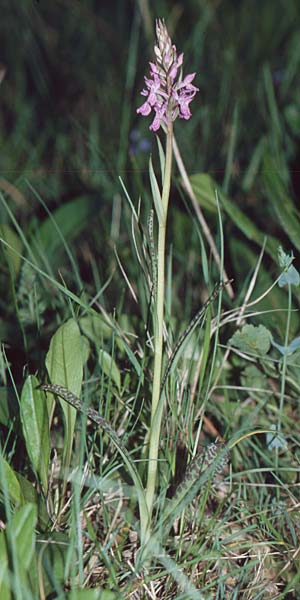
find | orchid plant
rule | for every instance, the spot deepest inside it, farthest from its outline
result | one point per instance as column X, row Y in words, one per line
column 169, row 95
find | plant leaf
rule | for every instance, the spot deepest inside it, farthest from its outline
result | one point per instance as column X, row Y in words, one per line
column 11, row 482
column 276, row 440
column 21, row 530
column 285, row 210
column 156, row 194
column 8, row 405
column 70, row 219
column 109, row 366
column 204, row 188
column 64, row 361
column 4, row 575
column 162, row 158
column 35, row 426
column 289, row 277
column 290, row 349
column 23, row 524
column 252, row 340
column 13, row 258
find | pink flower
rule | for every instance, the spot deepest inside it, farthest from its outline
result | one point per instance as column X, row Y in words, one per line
column 160, row 112
column 166, row 96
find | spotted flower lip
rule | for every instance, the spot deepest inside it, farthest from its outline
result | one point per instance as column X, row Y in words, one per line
column 167, row 93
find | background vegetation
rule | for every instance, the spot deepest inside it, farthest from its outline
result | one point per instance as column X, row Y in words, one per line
column 71, row 143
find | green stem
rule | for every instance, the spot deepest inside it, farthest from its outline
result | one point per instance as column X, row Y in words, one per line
column 284, row 361
column 156, row 406
column 283, row 373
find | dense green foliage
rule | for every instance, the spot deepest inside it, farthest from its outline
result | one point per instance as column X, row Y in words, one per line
column 76, row 266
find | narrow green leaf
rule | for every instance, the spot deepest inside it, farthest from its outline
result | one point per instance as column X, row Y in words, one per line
column 162, row 158
column 35, row 426
column 156, row 194
column 254, row 165
column 206, row 347
column 129, row 201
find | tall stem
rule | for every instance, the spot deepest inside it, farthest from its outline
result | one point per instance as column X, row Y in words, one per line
column 156, row 406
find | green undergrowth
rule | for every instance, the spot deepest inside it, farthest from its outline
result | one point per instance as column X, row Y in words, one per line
column 76, row 277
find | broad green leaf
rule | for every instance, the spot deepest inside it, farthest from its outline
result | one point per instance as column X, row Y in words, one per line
column 108, row 365
column 204, row 188
column 23, row 528
column 70, row 219
column 252, row 377
column 11, row 484
column 13, row 258
column 31, row 495
column 64, row 361
column 252, row 340
column 8, row 405
column 18, row 542
column 95, row 328
column 4, row 573
column 285, row 209
column 35, row 426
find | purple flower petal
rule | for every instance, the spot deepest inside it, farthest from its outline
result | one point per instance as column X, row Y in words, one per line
column 145, row 109
column 159, row 117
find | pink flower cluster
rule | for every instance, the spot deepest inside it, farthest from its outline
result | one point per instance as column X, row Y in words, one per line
column 167, row 93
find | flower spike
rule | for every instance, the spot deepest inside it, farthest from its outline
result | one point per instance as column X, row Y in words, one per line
column 167, row 93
